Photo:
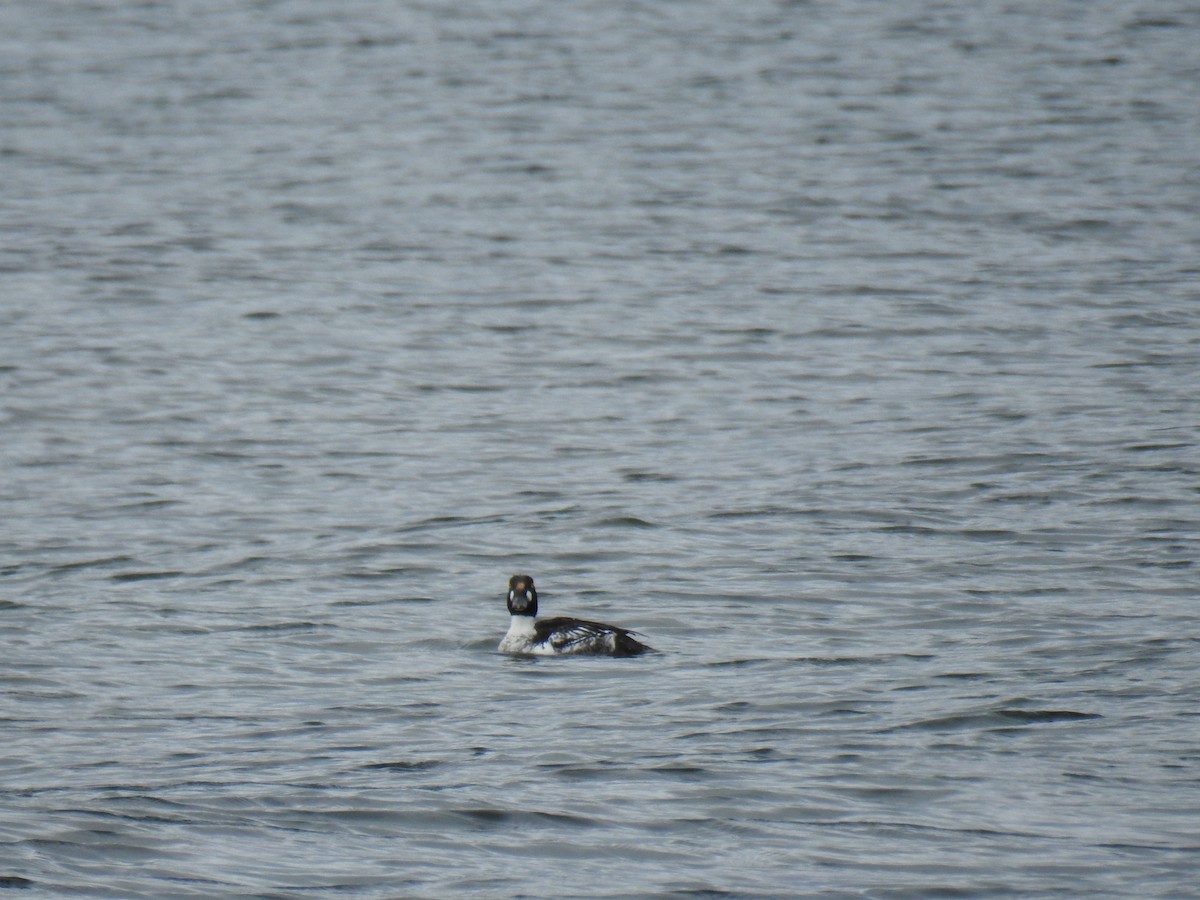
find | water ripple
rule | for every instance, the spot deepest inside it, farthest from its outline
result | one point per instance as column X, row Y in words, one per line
column 846, row 351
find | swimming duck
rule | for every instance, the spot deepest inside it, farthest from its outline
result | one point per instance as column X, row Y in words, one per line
column 560, row 636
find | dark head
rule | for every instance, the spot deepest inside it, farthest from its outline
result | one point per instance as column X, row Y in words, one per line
column 522, row 596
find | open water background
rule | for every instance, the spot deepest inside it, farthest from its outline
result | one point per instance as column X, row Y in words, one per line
column 847, row 350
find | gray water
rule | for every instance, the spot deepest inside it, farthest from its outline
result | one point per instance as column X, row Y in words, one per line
column 847, row 351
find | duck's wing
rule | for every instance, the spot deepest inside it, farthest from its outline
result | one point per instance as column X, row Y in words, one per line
column 566, row 635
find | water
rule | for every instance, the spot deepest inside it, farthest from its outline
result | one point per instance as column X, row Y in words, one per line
column 846, row 351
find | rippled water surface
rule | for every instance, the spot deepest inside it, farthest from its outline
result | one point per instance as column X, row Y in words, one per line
column 848, row 351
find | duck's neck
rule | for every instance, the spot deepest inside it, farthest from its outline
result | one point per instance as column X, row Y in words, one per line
column 521, row 626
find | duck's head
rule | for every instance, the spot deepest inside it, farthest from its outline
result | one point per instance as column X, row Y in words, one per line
column 522, row 596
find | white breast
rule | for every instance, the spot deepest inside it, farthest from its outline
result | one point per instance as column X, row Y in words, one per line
column 520, row 637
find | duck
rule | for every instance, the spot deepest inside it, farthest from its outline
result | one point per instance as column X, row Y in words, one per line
column 562, row 635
